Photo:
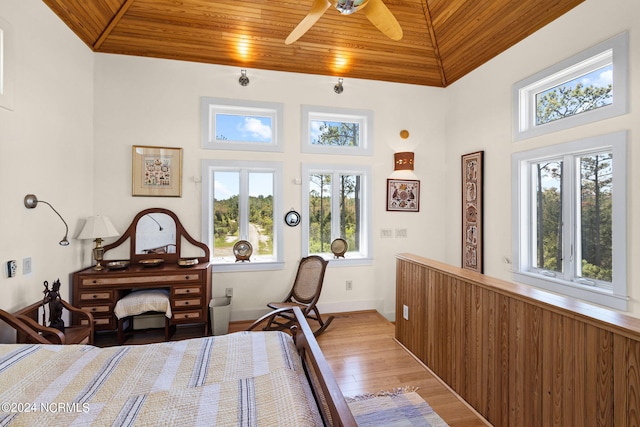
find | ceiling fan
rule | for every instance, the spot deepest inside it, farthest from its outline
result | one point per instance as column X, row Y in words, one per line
column 374, row 10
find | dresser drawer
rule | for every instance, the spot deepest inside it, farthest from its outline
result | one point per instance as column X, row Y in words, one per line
column 96, row 296
column 186, row 303
column 97, row 309
column 150, row 280
column 185, row 291
column 189, row 316
column 102, row 323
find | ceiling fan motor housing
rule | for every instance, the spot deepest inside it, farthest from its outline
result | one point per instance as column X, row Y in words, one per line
column 347, row 7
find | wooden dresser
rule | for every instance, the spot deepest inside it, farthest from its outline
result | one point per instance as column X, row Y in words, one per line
column 154, row 235
column 189, row 287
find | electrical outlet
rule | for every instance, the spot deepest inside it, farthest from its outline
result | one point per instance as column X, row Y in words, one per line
column 386, row 233
column 229, row 292
column 405, row 312
column 349, row 285
column 26, row 265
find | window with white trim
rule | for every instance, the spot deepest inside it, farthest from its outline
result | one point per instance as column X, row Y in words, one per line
column 242, row 201
column 7, row 64
column 330, row 130
column 231, row 124
column 338, row 205
column 585, row 88
column 569, row 219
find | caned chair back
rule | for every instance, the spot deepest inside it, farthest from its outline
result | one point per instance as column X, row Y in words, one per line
column 308, row 282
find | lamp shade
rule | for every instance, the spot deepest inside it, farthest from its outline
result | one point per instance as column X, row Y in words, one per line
column 98, row 227
column 403, row 161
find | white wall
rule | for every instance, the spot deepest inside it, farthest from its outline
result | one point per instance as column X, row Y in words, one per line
column 77, row 114
column 46, row 148
column 479, row 118
column 141, row 101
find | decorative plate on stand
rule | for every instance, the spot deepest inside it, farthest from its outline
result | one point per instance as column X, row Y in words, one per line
column 339, row 247
column 242, row 250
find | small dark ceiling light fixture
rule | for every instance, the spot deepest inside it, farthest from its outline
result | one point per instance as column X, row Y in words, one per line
column 338, row 88
column 243, row 80
column 31, row 201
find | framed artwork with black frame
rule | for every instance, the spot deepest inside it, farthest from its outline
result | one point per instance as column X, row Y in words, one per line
column 472, row 234
column 403, row 195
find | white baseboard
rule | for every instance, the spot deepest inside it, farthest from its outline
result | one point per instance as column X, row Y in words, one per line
column 332, row 307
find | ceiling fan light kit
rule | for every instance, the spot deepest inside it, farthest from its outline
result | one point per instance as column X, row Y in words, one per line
column 375, row 11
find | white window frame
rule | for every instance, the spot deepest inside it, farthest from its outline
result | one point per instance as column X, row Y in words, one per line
column 210, row 107
column 523, row 241
column 208, row 167
column 365, row 256
column 7, row 65
column 363, row 117
column 613, row 51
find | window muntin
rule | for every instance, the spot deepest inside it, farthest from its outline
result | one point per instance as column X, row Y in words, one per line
column 240, row 202
column 338, row 206
column 576, row 91
column 336, row 131
column 229, row 124
column 569, row 223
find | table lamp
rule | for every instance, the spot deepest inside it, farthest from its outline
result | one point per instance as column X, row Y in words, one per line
column 98, row 227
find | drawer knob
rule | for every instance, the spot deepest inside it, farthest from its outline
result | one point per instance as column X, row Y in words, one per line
column 186, row 277
column 186, row 303
column 94, row 281
column 94, row 296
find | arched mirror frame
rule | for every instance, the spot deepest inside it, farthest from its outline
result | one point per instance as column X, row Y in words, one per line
column 130, row 234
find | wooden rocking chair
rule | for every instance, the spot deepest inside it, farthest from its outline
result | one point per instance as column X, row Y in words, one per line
column 304, row 294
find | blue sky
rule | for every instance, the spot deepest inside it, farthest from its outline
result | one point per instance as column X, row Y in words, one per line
column 244, row 128
column 227, row 184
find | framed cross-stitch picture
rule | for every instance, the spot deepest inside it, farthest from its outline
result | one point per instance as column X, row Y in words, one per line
column 157, row 171
column 403, row 195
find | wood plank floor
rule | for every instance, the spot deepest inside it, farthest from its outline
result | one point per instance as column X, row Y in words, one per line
column 365, row 358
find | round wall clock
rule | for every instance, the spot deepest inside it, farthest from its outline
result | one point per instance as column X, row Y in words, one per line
column 242, row 250
column 339, row 247
column 292, row 218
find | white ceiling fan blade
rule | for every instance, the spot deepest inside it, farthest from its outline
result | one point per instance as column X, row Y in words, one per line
column 383, row 19
column 318, row 8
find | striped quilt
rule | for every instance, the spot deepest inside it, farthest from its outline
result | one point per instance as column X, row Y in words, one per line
column 241, row 379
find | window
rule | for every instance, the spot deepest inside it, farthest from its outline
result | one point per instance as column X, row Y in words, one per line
column 338, row 206
column 336, row 131
column 588, row 87
column 569, row 219
column 6, row 65
column 229, row 124
column 241, row 202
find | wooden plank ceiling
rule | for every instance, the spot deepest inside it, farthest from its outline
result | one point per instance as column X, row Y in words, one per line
column 443, row 39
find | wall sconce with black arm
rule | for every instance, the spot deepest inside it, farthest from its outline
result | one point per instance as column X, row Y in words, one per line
column 31, row 201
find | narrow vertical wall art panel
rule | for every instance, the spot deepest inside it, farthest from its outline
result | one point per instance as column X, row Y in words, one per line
column 472, row 235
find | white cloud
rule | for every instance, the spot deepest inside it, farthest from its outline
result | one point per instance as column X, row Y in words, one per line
column 256, row 128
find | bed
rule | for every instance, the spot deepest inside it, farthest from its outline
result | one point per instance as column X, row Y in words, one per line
column 251, row 378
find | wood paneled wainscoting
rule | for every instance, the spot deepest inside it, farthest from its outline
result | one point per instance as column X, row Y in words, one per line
column 519, row 356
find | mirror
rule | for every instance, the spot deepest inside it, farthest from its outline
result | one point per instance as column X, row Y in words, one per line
column 158, row 233
column 155, row 234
